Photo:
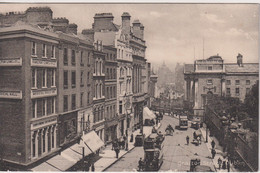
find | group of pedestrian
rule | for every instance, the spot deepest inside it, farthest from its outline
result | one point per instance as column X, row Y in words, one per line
column 87, row 166
column 121, row 143
column 223, row 164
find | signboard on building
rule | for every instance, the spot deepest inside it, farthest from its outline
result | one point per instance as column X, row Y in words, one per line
column 43, row 123
column 11, row 94
column 11, row 62
column 43, row 93
column 43, row 63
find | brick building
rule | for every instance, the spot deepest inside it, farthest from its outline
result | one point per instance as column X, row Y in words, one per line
column 46, row 90
column 212, row 76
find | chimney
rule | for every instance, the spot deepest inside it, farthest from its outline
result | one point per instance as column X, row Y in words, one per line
column 60, row 24
column 126, row 28
column 136, row 28
column 89, row 33
column 142, row 31
column 73, row 28
column 240, row 60
column 103, row 21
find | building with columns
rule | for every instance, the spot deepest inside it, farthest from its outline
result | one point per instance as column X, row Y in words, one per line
column 212, row 76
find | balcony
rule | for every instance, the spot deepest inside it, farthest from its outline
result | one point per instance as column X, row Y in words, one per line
column 11, row 94
column 43, row 63
column 48, row 92
column 11, row 62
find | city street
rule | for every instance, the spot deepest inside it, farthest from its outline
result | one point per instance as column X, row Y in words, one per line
column 177, row 154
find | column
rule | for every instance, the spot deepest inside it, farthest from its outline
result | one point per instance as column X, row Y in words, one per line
column 36, row 143
column 191, row 90
column 196, row 94
column 55, row 135
column 50, row 133
column 46, row 139
column 185, row 89
column 32, row 137
column 223, row 87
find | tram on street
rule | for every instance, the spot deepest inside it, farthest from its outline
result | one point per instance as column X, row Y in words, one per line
column 183, row 122
column 153, row 152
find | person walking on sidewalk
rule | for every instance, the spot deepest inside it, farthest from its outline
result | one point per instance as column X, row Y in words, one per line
column 93, row 167
column 228, row 166
column 213, row 144
column 213, row 152
column 187, row 140
column 224, row 166
column 140, row 164
column 219, row 163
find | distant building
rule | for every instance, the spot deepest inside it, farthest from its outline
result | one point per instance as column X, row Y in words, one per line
column 212, row 76
column 165, row 75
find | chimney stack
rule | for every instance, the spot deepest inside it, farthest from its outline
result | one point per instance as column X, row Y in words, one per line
column 102, row 21
column 240, row 60
column 126, row 28
column 142, row 31
column 136, row 28
column 73, row 28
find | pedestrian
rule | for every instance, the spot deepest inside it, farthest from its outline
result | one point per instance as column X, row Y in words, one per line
column 213, row 152
column 213, row 144
column 224, row 166
column 140, row 164
column 187, row 139
column 117, row 150
column 132, row 138
column 194, row 135
column 228, row 166
column 219, row 162
column 93, row 167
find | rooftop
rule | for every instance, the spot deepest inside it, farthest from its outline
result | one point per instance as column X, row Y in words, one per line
column 38, row 9
column 101, row 15
column 245, row 68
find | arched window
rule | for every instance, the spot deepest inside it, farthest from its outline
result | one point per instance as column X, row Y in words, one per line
column 95, row 115
column 96, row 92
column 121, row 72
column 101, row 68
column 100, row 90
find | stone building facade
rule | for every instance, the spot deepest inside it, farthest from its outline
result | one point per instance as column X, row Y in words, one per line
column 212, row 76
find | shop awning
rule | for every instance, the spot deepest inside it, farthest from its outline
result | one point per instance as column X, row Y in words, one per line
column 92, row 141
column 148, row 114
column 60, row 162
column 45, row 167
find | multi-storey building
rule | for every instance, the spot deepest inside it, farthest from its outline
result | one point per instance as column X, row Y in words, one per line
column 99, row 89
column 212, row 76
column 46, row 90
column 28, row 94
column 110, row 93
column 138, row 53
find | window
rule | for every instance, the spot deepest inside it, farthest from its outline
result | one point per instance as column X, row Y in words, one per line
column 108, row 112
column 34, row 48
column 81, row 58
column 65, row 103
column 247, row 90
column 34, row 108
column 34, row 78
column 53, row 105
column 247, row 82
column 65, row 56
column 108, row 93
column 209, row 67
column 44, row 78
column 88, row 58
column 237, row 91
column 73, row 101
column 111, row 74
column 209, row 82
column 73, row 59
column 228, row 82
column 81, row 99
column 81, row 79
column 65, row 79
column 53, row 51
column 114, row 88
column 107, row 73
column 88, row 101
column 114, row 73
column 53, row 77
column 228, row 91
column 73, row 79
column 88, row 75
column 237, row 82
column 120, row 107
column 44, row 51
column 44, row 107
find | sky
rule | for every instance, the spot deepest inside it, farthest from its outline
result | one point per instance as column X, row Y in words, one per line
column 176, row 32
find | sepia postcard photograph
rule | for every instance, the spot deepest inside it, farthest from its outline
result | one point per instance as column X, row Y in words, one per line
column 129, row 87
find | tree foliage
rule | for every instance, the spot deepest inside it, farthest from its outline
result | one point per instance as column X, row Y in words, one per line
column 251, row 102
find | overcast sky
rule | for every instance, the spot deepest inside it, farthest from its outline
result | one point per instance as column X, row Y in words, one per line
column 174, row 31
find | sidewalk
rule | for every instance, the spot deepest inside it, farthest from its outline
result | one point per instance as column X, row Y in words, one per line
column 219, row 152
column 108, row 156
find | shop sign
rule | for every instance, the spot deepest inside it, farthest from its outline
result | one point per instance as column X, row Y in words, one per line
column 42, row 123
column 43, row 93
column 11, row 62
column 43, row 63
column 11, row 94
